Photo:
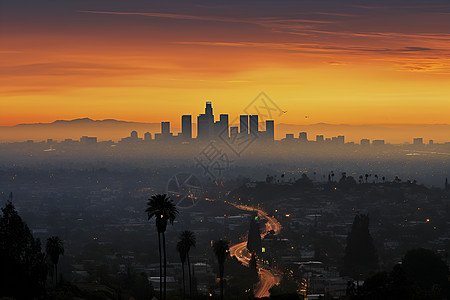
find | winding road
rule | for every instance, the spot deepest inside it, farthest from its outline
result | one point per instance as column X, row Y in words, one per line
column 268, row 277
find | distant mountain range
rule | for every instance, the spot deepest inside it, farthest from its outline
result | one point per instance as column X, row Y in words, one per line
column 111, row 129
column 81, row 121
column 108, row 129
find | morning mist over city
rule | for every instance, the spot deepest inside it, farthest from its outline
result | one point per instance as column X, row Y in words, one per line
column 224, row 149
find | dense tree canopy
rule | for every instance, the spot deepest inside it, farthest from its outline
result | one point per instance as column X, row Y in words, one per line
column 422, row 275
column 23, row 270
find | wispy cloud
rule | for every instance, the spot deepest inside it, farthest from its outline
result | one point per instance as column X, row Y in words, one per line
column 67, row 69
column 301, row 47
column 263, row 21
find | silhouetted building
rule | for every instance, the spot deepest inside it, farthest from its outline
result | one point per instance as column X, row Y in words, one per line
column 165, row 128
column 340, row 139
column 254, row 124
column 243, row 123
column 221, row 126
column 364, row 142
column 88, row 140
column 289, row 137
column 186, row 127
column 68, row 141
column 418, row 141
column 165, row 132
column 233, row 132
column 319, row 138
column 378, row 142
column 205, row 123
column 270, row 130
column 431, row 142
column 303, row 137
column 133, row 138
column 147, row 136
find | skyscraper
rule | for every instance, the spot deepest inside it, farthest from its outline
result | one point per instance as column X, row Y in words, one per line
column 254, row 124
column 233, row 132
column 303, row 137
column 221, row 127
column 319, row 138
column 205, row 123
column 243, row 123
column 418, row 141
column 270, row 130
column 186, row 127
column 165, row 128
column 364, row 142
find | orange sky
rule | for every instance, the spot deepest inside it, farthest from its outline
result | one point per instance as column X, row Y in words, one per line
column 335, row 64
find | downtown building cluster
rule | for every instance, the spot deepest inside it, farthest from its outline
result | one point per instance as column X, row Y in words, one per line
column 208, row 129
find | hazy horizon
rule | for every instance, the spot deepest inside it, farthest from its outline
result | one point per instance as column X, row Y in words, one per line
column 117, row 129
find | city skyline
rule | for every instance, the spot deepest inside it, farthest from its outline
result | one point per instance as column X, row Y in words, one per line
column 224, row 150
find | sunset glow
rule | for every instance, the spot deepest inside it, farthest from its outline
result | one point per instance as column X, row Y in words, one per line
column 345, row 63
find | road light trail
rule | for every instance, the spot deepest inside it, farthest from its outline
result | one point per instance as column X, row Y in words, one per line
column 268, row 277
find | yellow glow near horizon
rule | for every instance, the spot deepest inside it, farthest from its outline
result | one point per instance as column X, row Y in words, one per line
column 329, row 76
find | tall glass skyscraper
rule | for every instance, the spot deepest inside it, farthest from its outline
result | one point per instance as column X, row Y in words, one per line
column 186, row 126
column 254, row 124
column 243, row 124
column 205, row 123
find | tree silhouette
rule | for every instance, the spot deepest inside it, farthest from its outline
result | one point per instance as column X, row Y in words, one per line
column 254, row 237
column 421, row 275
column 425, row 268
column 163, row 209
column 187, row 237
column 361, row 257
column 253, row 265
column 22, row 264
column 54, row 248
column 221, row 250
column 182, row 251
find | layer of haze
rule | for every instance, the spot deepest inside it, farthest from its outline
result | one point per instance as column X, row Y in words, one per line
column 339, row 62
column 115, row 130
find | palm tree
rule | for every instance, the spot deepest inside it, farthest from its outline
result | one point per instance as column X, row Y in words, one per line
column 54, row 248
column 221, row 250
column 182, row 251
column 163, row 209
column 188, row 238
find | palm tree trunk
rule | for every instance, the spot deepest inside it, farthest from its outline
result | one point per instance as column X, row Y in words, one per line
column 221, row 280
column 190, row 280
column 184, row 285
column 165, row 265
column 56, row 275
column 160, row 267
